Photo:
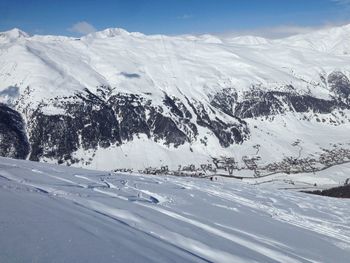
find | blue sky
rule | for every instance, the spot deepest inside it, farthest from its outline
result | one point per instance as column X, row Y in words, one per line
column 264, row 17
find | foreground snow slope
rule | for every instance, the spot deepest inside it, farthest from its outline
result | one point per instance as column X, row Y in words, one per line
column 57, row 214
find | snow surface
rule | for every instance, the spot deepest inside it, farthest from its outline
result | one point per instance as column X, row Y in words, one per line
column 334, row 176
column 58, row 214
column 191, row 65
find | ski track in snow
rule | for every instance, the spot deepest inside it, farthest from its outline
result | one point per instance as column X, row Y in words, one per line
column 185, row 213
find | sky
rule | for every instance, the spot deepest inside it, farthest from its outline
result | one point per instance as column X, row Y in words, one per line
column 269, row 18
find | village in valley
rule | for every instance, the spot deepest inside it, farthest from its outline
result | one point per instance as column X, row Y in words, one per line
column 253, row 167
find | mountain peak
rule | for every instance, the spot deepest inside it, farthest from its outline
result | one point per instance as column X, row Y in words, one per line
column 110, row 32
column 346, row 27
column 114, row 32
column 14, row 34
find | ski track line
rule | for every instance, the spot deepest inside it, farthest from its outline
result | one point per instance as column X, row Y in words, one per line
column 265, row 240
column 60, row 179
column 156, row 197
column 111, row 194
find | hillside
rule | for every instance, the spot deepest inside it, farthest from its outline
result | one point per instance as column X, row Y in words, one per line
column 118, row 99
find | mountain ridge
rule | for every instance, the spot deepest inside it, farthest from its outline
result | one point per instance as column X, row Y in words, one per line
column 115, row 31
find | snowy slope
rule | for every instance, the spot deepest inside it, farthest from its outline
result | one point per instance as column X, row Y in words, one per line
column 175, row 100
column 59, row 214
column 177, row 65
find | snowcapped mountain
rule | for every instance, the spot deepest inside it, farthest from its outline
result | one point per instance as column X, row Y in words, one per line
column 115, row 99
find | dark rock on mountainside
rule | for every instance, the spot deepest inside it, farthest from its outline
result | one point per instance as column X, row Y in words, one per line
column 225, row 101
column 340, row 192
column 103, row 119
column 165, row 128
column 340, row 84
column 13, row 139
column 228, row 133
column 257, row 103
column 275, row 102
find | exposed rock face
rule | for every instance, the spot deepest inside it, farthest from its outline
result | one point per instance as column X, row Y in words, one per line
column 339, row 192
column 257, row 102
column 276, row 102
column 13, row 139
column 227, row 132
column 339, row 84
column 225, row 101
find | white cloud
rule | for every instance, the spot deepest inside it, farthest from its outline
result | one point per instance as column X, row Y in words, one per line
column 185, row 16
column 82, row 28
column 342, row 2
column 282, row 30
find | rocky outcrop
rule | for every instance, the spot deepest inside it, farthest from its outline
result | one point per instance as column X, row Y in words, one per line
column 225, row 101
column 338, row 192
column 276, row 102
column 13, row 139
column 339, row 84
column 232, row 132
column 257, row 102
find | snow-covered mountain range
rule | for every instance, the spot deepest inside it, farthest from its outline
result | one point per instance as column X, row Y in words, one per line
column 115, row 99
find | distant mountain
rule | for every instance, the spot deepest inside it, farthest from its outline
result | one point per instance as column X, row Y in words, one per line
column 115, row 99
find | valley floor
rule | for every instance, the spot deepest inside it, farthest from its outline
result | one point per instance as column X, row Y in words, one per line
column 58, row 214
